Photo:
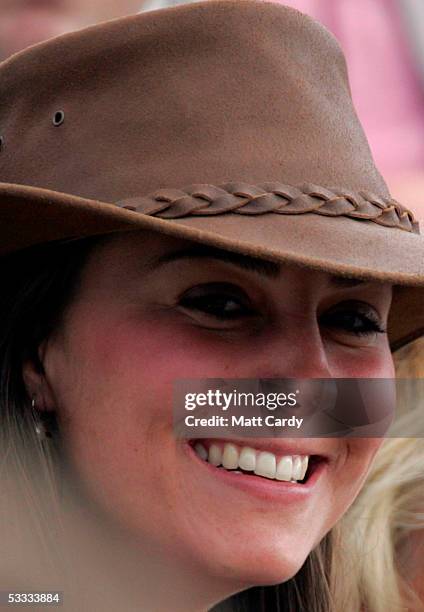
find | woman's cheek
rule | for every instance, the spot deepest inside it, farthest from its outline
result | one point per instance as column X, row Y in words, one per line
column 359, row 362
column 124, row 368
column 360, row 456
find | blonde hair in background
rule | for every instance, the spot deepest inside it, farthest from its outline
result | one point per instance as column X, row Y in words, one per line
column 374, row 560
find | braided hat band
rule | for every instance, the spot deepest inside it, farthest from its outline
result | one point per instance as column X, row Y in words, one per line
column 245, row 199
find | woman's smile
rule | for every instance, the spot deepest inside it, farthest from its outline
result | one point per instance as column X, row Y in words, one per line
column 154, row 310
column 271, row 470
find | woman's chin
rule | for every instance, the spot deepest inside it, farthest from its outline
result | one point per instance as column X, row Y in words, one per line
column 260, row 567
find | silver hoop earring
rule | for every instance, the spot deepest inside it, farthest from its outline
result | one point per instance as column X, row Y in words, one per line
column 39, row 427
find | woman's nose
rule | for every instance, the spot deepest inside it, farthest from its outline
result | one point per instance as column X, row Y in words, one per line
column 296, row 350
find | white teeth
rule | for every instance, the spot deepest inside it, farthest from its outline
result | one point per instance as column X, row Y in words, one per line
column 265, row 465
column 247, row 460
column 297, row 468
column 215, row 455
column 284, row 468
column 201, row 451
column 230, row 457
column 305, row 461
column 290, row 468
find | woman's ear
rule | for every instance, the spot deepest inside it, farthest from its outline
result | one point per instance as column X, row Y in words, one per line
column 36, row 382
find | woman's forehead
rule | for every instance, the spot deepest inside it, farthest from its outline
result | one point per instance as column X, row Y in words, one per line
column 146, row 251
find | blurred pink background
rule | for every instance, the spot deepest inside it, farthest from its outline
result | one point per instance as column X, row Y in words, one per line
column 383, row 41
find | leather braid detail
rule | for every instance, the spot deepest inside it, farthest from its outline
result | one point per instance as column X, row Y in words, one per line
column 245, row 199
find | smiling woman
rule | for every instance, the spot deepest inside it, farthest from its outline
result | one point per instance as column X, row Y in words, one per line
column 177, row 242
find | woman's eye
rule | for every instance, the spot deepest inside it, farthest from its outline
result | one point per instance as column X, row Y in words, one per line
column 358, row 320
column 218, row 300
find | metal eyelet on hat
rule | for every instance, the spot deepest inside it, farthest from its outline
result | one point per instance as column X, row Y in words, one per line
column 58, row 118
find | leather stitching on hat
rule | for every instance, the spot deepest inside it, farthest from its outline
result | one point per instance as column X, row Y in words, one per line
column 278, row 198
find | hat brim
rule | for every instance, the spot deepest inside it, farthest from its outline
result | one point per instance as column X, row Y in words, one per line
column 348, row 247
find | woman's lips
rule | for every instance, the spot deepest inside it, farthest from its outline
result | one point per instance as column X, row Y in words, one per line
column 259, row 472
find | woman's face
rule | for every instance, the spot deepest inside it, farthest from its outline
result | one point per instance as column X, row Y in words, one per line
column 151, row 309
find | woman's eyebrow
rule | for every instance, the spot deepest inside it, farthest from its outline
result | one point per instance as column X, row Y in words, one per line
column 346, row 281
column 262, row 266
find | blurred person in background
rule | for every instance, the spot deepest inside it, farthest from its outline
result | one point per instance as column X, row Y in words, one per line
column 383, row 42
column 26, row 22
column 380, row 560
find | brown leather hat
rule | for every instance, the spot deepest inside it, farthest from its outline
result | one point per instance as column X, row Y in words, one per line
column 228, row 122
